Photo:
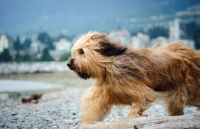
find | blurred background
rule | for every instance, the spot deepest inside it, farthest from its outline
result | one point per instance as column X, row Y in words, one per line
column 36, row 36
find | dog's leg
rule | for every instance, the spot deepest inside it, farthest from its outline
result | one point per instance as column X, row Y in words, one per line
column 176, row 101
column 198, row 105
column 136, row 111
column 93, row 105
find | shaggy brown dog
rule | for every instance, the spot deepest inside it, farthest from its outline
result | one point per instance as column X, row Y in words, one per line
column 126, row 76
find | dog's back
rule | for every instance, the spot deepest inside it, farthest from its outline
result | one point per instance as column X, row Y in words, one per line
column 176, row 64
column 176, row 69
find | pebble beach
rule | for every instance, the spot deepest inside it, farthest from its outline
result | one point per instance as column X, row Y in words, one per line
column 60, row 108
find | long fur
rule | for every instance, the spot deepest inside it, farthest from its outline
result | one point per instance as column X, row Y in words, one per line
column 126, row 76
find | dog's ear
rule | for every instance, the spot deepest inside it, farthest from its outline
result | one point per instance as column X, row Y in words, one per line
column 111, row 49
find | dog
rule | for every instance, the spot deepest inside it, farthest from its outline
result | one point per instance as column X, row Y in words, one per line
column 136, row 77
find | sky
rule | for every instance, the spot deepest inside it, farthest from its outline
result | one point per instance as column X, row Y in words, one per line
column 21, row 15
column 70, row 16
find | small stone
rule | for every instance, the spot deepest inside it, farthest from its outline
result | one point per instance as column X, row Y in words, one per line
column 14, row 113
column 69, row 122
column 15, row 118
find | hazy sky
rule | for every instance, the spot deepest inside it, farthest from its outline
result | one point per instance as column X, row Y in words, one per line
column 19, row 16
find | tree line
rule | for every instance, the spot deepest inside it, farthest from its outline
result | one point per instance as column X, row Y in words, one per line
column 191, row 29
column 43, row 55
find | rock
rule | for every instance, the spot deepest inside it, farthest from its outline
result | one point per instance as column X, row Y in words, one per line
column 191, row 121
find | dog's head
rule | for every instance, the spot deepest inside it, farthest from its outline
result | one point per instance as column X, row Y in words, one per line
column 91, row 53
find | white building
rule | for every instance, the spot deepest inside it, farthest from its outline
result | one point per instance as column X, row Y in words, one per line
column 175, row 33
column 174, row 30
column 37, row 47
column 140, row 40
column 160, row 41
column 4, row 42
column 189, row 43
column 62, row 46
column 120, row 36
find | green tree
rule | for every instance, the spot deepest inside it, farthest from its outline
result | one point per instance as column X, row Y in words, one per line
column 156, row 31
column 193, row 32
column 65, row 56
column 46, row 39
column 46, row 56
column 25, row 58
column 5, row 56
column 17, row 57
column 22, row 58
column 27, row 43
column 17, row 44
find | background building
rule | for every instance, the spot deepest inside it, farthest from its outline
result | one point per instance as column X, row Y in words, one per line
column 121, row 36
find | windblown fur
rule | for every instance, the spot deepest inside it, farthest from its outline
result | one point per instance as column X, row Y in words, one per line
column 126, row 76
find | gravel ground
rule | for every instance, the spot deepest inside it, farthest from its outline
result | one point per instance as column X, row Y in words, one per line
column 62, row 110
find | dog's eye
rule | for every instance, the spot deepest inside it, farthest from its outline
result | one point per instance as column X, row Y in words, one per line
column 80, row 51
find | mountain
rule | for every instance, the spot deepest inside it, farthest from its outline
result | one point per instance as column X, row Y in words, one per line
column 75, row 17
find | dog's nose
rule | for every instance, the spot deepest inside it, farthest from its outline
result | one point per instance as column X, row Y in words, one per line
column 69, row 64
